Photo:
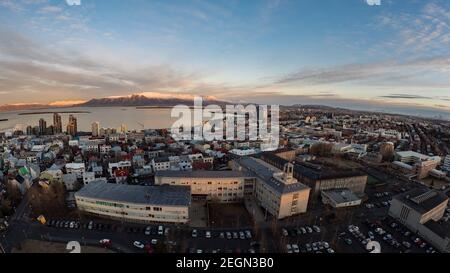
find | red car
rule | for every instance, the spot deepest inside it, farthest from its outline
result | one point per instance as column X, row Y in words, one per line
column 149, row 249
column 105, row 242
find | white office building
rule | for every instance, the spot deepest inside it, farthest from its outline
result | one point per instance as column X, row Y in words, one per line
column 131, row 203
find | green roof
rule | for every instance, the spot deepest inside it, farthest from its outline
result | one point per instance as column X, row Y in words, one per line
column 23, row 171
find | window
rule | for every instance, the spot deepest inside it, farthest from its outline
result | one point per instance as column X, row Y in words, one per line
column 157, row 209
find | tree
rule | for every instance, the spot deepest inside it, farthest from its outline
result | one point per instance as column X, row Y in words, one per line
column 6, row 207
column 13, row 193
column 48, row 201
column 321, row 149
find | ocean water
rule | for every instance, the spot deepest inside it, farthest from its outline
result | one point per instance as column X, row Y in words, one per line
column 109, row 117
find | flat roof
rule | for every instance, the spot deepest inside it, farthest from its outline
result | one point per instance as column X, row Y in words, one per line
column 441, row 228
column 341, row 195
column 320, row 173
column 265, row 173
column 412, row 154
column 152, row 195
column 201, row 174
column 422, row 199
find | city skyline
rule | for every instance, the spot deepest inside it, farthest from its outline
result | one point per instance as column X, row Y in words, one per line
column 345, row 54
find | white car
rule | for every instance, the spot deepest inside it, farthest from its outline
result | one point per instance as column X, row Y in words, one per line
column 194, row 233
column 289, row 248
column 138, row 245
column 160, row 230
column 295, row 248
column 208, row 235
column 148, row 230
column 154, row 241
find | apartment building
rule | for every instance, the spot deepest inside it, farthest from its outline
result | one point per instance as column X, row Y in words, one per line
column 422, row 164
column 76, row 168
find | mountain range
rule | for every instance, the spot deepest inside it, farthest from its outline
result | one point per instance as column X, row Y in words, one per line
column 150, row 99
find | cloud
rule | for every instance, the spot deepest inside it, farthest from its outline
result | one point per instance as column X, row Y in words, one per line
column 50, row 9
column 73, row 2
column 412, row 96
column 404, row 96
column 389, row 71
column 11, row 5
column 427, row 30
column 29, row 66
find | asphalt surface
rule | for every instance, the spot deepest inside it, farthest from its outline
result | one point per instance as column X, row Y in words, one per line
column 268, row 233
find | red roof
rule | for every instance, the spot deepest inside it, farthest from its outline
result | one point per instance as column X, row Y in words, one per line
column 121, row 173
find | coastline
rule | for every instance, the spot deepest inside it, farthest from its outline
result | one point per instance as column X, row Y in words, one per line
column 53, row 112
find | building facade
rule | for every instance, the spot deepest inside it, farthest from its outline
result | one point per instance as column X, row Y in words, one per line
column 421, row 210
column 140, row 204
column 216, row 186
column 276, row 191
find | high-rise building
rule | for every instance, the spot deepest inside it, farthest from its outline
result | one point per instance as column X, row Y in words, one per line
column 57, row 123
column 29, row 130
column 123, row 128
column 95, row 129
column 42, row 126
column 72, row 128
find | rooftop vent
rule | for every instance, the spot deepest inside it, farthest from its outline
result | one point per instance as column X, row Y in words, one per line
column 424, row 197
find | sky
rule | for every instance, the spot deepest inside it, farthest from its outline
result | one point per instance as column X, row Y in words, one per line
column 334, row 52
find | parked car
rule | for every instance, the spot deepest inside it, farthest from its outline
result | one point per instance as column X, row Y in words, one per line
column 160, row 230
column 241, row 235
column 289, row 248
column 316, row 229
column 194, row 233
column 284, row 232
column 138, row 244
column 248, row 234
column 148, row 230
column 309, row 230
column 208, row 234
column 222, row 235
column 295, row 248
column 229, row 235
column 308, row 247
column 348, row 241
column 105, row 242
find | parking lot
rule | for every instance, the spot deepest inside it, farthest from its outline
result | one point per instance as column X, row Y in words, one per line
column 160, row 238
